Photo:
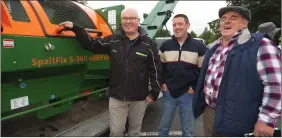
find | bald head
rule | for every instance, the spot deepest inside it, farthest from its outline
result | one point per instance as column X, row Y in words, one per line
column 130, row 21
column 129, row 12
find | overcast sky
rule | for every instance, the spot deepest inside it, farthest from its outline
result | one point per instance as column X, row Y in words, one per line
column 198, row 12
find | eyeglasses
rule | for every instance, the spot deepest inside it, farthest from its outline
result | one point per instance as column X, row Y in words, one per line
column 129, row 18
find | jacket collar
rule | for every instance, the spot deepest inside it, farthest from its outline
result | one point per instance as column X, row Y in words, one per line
column 242, row 38
column 188, row 38
column 142, row 32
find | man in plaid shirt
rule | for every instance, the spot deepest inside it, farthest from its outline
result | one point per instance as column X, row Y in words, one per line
column 239, row 87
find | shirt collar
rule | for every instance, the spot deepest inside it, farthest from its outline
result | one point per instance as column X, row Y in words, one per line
column 234, row 38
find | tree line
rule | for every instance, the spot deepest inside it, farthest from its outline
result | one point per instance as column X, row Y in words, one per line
column 261, row 10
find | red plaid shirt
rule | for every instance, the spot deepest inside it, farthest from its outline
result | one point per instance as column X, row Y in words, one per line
column 269, row 68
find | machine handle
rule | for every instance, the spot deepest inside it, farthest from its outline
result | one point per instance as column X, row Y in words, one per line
column 94, row 31
column 61, row 29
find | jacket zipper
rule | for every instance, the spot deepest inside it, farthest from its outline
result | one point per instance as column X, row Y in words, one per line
column 127, row 56
column 126, row 66
column 179, row 53
column 122, row 57
column 126, row 76
column 225, row 69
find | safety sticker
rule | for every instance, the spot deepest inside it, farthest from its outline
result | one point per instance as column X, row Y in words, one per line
column 8, row 43
column 19, row 102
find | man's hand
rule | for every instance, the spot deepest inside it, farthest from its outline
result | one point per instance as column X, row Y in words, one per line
column 191, row 91
column 67, row 24
column 149, row 100
column 263, row 130
column 164, row 87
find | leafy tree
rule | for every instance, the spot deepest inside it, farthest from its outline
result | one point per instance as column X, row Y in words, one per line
column 214, row 28
column 235, row 2
column 193, row 34
column 262, row 11
column 207, row 35
column 163, row 33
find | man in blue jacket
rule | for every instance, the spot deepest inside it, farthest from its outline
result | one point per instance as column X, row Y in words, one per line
column 239, row 85
column 181, row 58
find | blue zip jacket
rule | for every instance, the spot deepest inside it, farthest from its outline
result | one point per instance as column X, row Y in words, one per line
column 181, row 64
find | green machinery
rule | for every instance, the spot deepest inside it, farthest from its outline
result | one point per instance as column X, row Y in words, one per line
column 154, row 22
column 44, row 70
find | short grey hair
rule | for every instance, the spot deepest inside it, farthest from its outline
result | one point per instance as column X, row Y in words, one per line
column 131, row 10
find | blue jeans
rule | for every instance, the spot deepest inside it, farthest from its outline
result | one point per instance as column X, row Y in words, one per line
column 185, row 112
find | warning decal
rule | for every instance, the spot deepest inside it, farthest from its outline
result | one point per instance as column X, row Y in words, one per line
column 8, row 43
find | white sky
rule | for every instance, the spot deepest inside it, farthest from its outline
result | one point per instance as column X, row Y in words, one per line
column 198, row 12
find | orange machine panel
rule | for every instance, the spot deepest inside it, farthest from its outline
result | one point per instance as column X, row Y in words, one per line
column 52, row 29
column 98, row 20
column 32, row 28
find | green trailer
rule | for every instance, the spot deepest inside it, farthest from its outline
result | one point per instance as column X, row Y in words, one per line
column 44, row 70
